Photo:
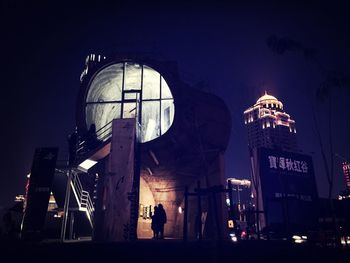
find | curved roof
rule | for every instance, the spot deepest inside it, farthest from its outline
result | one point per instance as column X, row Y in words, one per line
column 266, row 97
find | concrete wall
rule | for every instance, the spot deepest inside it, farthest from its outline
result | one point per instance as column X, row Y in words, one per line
column 118, row 182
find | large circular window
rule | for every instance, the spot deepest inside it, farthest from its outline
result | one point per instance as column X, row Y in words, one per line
column 130, row 90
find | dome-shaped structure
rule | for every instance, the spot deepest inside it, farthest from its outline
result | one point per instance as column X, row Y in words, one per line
column 266, row 97
column 269, row 100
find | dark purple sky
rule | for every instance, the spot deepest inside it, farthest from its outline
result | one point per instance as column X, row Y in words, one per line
column 44, row 47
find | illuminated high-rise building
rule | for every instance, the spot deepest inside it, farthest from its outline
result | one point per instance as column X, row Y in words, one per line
column 346, row 170
column 283, row 181
column 269, row 126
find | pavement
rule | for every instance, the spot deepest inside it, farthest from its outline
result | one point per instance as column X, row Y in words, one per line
column 168, row 251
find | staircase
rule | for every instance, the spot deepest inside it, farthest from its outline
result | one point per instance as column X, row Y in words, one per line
column 82, row 197
column 93, row 148
column 82, row 200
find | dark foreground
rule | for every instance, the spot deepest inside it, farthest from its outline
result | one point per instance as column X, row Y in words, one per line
column 169, row 251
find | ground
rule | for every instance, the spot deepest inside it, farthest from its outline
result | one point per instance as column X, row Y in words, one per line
column 170, row 251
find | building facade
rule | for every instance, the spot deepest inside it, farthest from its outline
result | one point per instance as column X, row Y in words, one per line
column 283, row 181
column 269, row 126
column 346, row 170
column 181, row 136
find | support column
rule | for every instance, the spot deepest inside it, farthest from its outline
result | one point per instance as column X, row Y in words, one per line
column 121, row 184
column 71, row 225
column 66, row 206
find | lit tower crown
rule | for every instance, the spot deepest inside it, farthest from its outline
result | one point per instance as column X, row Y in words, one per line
column 269, row 126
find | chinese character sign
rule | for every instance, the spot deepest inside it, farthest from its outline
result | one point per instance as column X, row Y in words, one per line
column 288, row 164
column 288, row 172
column 287, row 187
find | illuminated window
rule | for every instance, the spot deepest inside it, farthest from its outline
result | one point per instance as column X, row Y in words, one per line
column 124, row 90
column 145, row 211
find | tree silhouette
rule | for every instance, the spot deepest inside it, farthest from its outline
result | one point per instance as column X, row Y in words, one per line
column 332, row 82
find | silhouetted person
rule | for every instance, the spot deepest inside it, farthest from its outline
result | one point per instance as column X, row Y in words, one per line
column 162, row 220
column 72, row 146
column 91, row 138
column 155, row 223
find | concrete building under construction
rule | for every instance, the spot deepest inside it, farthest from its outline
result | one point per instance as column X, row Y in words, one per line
column 143, row 136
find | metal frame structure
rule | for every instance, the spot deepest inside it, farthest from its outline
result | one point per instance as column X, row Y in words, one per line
column 139, row 99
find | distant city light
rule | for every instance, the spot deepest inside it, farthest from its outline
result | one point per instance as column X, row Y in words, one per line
column 230, row 224
column 19, row 198
column 299, row 239
column 235, row 181
column 345, row 240
column 233, row 237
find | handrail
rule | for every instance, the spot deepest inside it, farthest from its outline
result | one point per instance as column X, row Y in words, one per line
column 87, row 203
column 108, row 123
column 83, row 197
column 100, row 135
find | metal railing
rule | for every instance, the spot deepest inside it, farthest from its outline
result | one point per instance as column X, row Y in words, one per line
column 103, row 134
column 83, row 197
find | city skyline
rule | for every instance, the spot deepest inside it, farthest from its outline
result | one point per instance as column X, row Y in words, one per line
column 217, row 47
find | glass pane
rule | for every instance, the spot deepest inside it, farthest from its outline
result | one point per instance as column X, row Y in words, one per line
column 130, row 96
column 150, row 120
column 132, row 76
column 167, row 114
column 101, row 114
column 166, row 93
column 107, row 85
column 151, row 83
column 129, row 110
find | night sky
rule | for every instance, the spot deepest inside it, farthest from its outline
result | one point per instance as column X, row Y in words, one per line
column 221, row 46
